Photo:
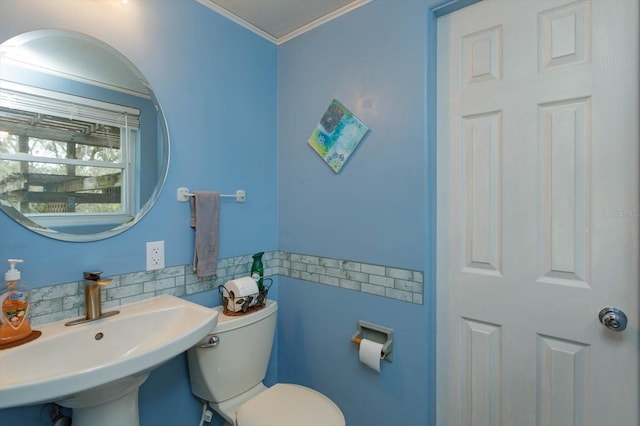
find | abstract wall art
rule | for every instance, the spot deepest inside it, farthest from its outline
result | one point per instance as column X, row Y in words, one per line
column 337, row 135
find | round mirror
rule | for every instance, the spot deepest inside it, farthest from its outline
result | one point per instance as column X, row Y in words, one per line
column 84, row 147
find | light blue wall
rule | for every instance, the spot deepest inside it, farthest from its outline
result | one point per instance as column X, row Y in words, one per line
column 216, row 83
column 227, row 95
column 377, row 210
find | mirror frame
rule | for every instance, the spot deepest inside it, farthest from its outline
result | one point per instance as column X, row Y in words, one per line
column 163, row 133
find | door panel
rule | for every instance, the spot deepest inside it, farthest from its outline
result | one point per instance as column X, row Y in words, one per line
column 537, row 212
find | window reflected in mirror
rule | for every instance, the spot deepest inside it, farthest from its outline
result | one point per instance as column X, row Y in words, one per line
column 65, row 158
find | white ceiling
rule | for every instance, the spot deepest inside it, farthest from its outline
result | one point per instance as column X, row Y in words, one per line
column 281, row 20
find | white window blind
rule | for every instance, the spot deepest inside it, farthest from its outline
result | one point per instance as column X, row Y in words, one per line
column 40, row 101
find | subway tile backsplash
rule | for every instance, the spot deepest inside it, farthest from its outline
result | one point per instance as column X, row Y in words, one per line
column 64, row 301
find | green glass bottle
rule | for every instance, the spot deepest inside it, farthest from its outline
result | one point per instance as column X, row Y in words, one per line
column 257, row 270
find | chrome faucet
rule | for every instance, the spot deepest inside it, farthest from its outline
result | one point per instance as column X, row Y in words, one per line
column 92, row 299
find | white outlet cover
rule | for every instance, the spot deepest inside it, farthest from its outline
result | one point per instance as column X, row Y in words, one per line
column 155, row 255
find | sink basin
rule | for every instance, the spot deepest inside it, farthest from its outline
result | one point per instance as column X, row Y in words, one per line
column 96, row 362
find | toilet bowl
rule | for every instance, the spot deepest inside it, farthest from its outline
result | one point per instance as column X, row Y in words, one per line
column 228, row 366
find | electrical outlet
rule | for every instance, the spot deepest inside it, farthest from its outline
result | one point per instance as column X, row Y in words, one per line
column 155, row 255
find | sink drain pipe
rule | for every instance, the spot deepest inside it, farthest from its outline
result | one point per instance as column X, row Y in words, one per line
column 58, row 418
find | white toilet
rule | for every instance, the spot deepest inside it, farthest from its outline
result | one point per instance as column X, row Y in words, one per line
column 229, row 375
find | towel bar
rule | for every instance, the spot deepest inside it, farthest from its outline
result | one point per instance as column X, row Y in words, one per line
column 183, row 194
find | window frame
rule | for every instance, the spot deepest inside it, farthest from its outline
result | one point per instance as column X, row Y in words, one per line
column 89, row 110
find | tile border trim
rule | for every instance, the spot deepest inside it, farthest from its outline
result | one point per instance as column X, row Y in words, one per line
column 66, row 300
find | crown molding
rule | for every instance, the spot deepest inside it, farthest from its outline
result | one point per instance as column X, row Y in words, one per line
column 290, row 35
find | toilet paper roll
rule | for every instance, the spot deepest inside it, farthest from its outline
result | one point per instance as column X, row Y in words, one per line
column 237, row 290
column 370, row 354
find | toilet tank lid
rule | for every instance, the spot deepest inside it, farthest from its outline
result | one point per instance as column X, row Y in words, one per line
column 231, row 322
column 288, row 404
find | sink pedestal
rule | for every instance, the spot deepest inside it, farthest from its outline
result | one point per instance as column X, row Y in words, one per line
column 114, row 403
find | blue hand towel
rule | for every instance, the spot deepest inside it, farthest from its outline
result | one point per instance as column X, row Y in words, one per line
column 205, row 218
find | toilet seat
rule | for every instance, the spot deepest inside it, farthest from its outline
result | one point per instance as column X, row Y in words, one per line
column 289, row 405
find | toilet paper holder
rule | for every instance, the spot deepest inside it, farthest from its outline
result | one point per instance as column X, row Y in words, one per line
column 378, row 334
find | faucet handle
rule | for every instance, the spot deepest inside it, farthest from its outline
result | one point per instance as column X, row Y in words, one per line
column 93, row 276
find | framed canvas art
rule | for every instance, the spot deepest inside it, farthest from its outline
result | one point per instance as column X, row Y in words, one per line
column 337, row 135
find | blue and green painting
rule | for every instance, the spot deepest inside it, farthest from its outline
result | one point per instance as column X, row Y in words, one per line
column 337, row 135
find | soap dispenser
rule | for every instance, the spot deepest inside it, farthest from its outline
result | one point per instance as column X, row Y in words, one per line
column 15, row 306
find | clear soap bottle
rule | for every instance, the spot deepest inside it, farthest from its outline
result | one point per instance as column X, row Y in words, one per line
column 15, row 306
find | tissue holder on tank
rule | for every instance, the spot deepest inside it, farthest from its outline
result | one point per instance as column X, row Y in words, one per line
column 245, row 304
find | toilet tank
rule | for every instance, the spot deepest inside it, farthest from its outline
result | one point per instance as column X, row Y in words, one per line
column 239, row 361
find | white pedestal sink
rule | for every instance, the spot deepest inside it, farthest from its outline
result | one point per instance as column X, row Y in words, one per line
column 97, row 367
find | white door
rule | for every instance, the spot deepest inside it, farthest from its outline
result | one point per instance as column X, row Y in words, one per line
column 538, row 204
